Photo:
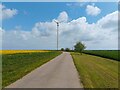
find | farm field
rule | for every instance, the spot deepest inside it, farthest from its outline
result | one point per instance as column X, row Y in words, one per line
column 96, row 72
column 15, row 66
column 111, row 54
column 21, row 51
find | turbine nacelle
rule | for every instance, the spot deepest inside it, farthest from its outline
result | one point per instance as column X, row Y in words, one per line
column 56, row 21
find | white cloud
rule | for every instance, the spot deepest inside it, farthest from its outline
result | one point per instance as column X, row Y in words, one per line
column 6, row 12
column 97, row 35
column 1, row 32
column 63, row 17
column 93, row 10
column 109, row 21
column 44, row 29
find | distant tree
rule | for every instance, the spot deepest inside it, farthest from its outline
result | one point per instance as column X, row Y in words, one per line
column 79, row 47
column 67, row 49
column 62, row 49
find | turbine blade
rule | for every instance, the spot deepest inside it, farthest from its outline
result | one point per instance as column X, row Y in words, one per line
column 56, row 21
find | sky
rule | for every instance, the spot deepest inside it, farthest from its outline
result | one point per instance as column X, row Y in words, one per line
column 30, row 25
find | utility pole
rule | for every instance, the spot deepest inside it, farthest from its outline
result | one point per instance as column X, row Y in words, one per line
column 57, row 32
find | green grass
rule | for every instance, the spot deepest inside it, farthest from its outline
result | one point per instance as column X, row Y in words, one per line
column 111, row 54
column 96, row 72
column 16, row 66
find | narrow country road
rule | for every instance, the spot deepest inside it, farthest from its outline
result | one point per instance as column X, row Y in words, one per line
column 58, row 73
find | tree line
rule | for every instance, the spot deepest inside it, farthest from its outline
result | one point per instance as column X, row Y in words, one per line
column 78, row 47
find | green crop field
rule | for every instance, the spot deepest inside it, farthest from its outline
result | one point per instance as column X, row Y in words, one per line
column 96, row 72
column 15, row 66
column 111, row 54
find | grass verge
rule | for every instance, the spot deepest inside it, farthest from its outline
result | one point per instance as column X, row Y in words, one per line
column 15, row 66
column 96, row 72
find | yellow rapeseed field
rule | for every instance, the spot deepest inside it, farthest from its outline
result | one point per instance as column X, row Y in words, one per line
column 21, row 51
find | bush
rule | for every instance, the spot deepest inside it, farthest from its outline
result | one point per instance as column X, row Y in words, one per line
column 67, row 49
column 62, row 49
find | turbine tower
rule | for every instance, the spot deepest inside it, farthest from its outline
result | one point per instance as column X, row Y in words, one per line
column 57, row 22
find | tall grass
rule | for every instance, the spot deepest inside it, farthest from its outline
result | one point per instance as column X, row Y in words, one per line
column 111, row 54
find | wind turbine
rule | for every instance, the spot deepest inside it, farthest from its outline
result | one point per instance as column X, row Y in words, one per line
column 57, row 22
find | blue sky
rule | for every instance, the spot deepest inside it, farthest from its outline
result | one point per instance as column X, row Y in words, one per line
column 30, row 13
column 33, row 22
